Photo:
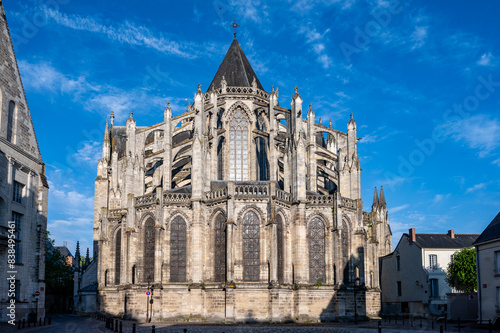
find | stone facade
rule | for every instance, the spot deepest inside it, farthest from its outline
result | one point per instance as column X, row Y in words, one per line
column 236, row 210
column 23, row 192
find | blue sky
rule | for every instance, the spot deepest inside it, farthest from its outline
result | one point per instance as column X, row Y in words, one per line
column 422, row 79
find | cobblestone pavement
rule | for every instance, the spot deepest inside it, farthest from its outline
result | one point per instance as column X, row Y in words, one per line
column 76, row 324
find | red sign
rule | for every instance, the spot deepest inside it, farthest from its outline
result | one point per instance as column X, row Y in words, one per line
column 37, row 293
column 148, row 293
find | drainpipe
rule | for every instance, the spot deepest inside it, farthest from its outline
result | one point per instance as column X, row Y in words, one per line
column 479, row 285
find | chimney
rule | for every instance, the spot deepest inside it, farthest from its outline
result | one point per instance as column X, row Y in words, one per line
column 451, row 233
column 413, row 237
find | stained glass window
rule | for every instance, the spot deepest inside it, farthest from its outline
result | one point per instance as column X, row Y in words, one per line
column 118, row 251
column 10, row 121
column 316, row 251
column 149, row 249
column 251, row 247
column 279, row 225
column 238, row 147
column 220, row 249
column 262, row 161
column 178, row 250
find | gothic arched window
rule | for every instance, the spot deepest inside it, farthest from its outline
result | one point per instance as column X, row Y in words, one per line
column 220, row 159
column 178, row 250
column 316, row 251
column 220, row 249
column 251, row 247
column 279, row 229
column 262, row 161
column 10, row 121
column 149, row 250
column 238, row 147
column 118, row 251
column 345, row 250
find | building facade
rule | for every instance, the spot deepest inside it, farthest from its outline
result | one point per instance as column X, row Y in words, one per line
column 488, row 272
column 238, row 209
column 23, row 194
column 413, row 276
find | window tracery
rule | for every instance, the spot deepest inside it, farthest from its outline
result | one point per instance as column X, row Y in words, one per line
column 251, row 247
column 316, row 251
column 220, row 249
column 238, row 147
column 178, row 250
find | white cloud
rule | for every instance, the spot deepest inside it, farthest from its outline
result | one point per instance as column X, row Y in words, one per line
column 485, row 60
column 313, row 37
column 496, row 162
column 126, row 33
column 479, row 132
column 89, row 153
column 398, row 208
column 418, row 37
column 440, row 197
column 476, row 187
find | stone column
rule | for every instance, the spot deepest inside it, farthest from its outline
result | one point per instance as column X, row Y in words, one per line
column 229, row 232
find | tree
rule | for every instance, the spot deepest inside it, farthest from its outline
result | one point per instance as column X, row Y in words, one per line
column 58, row 274
column 461, row 273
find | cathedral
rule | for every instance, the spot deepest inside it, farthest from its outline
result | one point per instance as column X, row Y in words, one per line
column 236, row 210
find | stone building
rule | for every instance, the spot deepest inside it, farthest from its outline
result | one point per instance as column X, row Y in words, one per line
column 238, row 209
column 23, row 192
column 413, row 276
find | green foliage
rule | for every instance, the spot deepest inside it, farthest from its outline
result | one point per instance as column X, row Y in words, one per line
column 58, row 274
column 461, row 273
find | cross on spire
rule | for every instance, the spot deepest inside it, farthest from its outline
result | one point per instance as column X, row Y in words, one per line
column 235, row 25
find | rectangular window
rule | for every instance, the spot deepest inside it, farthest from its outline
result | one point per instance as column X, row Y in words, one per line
column 434, row 287
column 497, row 262
column 398, row 263
column 18, row 192
column 498, row 298
column 433, row 261
column 399, row 288
column 17, row 218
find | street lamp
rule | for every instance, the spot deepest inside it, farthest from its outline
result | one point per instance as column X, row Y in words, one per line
column 151, row 302
column 147, row 303
column 356, row 286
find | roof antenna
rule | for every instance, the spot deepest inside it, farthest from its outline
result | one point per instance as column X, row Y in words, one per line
column 235, row 25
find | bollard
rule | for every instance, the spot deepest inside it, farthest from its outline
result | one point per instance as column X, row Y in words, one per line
column 441, row 329
column 116, row 325
column 19, row 325
column 29, row 323
column 185, row 330
column 490, row 327
column 379, row 326
column 420, row 321
column 445, row 328
column 44, row 321
column 40, row 322
column 153, row 331
column 111, row 322
column 34, row 323
column 121, row 326
column 133, row 328
column 24, row 323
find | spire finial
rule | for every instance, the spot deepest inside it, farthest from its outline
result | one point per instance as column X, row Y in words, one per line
column 296, row 90
column 112, row 117
column 310, row 106
column 272, row 88
column 235, row 25
column 168, row 103
column 320, row 121
column 330, row 122
column 131, row 114
column 375, row 197
column 199, row 87
column 382, row 196
column 351, row 115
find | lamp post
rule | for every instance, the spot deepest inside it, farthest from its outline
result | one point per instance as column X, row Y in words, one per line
column 356, row 286
column 151, row 302
column 147, row 303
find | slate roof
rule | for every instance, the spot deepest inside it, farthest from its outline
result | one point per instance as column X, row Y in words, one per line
column 444, row 241
column 64, row 250
column 236, row 69
column 491, row 232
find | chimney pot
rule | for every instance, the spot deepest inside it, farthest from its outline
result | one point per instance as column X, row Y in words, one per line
column 413, row 237
column 451, row 233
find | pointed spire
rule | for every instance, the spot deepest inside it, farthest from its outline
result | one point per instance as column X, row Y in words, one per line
column 112, row 117
column 106, row 132
column 330, row 122
column 199, row 88
column 375, row 198
column 236, row 69
column 77, row 252
column 382, row 197
column 87, row 257
column 131, row 115
column 320, row 121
